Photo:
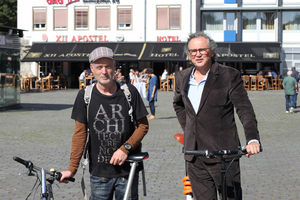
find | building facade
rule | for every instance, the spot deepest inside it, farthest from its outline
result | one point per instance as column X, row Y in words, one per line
column 266, row 27
column 62, row 33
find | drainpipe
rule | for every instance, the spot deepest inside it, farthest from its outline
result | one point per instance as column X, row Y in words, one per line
column 191, row 17
column 145, row 27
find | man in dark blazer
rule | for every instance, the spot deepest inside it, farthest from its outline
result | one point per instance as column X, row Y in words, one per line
column 204, row 101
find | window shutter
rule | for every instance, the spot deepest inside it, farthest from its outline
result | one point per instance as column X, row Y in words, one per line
column 103, row 17
column 39, row 16
column 174, row 17
column 60, row 18
column 162, row 18
column 124, row 15
column 81, row 17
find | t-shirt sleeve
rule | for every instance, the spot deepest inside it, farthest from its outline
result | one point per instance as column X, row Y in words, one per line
column 79, row 108
column 139, row 108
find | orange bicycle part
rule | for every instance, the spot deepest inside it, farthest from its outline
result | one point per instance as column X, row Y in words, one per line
column 187, row 189
column 179, row 137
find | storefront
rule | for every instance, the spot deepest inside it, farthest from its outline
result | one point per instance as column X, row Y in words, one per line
column 72, row 58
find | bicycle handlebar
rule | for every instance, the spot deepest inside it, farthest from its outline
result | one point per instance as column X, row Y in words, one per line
column 30, row 166
column 241, row 151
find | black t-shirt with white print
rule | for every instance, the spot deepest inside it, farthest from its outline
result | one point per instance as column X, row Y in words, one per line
column 110, row 126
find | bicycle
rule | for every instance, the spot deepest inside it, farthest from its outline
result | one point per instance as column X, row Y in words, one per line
column 47, row 192
column 210, row 154
column 34, row 170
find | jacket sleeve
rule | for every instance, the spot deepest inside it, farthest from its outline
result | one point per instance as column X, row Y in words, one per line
column 244, row 109
column 138, row 134
column 178, row 104
column 78, row 144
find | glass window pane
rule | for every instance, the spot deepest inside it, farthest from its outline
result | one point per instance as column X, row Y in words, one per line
column 267, row 20
column 212, row 21
column 81, row 18
column 174, row 18
column 124, row 17
column 230, row 18
column 291, row 20
column 249, row 20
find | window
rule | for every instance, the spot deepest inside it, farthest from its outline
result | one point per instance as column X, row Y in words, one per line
column 249, row 20
column 81, row 18
column 168, row 17
column 267, row 20
column 124, row 18
column 212, row 21
column 60, row 18
column 291, row 20
column 39, row 18
column 102, row 18
column 230, row 19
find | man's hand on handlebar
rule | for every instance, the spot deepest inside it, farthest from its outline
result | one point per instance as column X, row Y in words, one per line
column 65, row 174
column 252, row 148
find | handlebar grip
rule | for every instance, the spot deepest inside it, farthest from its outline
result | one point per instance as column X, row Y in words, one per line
column 20, row 160
column 58, row 176
column 196, row 152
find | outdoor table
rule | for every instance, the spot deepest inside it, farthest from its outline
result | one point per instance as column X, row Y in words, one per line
column 46, row 80
column 86, row 80
column 169, row 85
column 25, row 83
column 269, row 80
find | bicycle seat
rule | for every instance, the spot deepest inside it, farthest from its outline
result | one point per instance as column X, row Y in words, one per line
column 137, row 157
column 179, row 137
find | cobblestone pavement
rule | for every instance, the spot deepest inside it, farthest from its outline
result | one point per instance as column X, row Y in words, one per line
column 41, row 132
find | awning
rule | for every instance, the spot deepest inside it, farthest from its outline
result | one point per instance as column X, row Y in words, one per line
column 152, row 51
column 79, row 52
column 248, row 52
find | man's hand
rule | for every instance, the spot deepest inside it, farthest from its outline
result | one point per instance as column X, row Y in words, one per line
column 118, row 158
column 252, row 148
column 65, row 174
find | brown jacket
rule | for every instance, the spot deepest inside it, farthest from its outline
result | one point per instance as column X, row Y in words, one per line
column 213, row 127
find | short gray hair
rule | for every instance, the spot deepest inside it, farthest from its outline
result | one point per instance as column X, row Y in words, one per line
column 289, row 73
column 211, row 43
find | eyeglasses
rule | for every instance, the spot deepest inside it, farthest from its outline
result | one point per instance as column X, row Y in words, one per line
column 203, row 51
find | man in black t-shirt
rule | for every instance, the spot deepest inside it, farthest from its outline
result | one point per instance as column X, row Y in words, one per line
column 112, row 133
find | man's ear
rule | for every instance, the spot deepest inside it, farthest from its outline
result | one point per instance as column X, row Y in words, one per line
column 92, row 68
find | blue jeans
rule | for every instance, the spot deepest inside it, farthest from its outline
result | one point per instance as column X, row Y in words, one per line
column 152, row 108
column 103, row 188
column 295, row 99
column 289, row 101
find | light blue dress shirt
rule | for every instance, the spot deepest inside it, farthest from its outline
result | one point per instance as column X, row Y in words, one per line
column 195, row 90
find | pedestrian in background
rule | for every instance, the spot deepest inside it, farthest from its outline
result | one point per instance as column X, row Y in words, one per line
column 296, row 76
column 152, row 91
column 290, row 87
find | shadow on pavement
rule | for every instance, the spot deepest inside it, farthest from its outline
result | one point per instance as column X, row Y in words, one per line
column 40, row 106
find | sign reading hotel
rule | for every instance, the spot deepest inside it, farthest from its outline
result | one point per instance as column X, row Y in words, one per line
column 168, row 39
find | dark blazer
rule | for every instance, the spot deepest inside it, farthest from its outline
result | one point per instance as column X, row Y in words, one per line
column 213, row 127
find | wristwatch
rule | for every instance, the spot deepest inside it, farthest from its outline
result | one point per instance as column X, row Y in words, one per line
column 127, row 146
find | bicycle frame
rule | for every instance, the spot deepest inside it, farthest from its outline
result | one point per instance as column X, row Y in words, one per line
column 135, row 159
column 213, row 154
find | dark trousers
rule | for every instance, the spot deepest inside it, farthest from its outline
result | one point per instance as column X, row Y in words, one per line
column 205, row 176
column 152, row 108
